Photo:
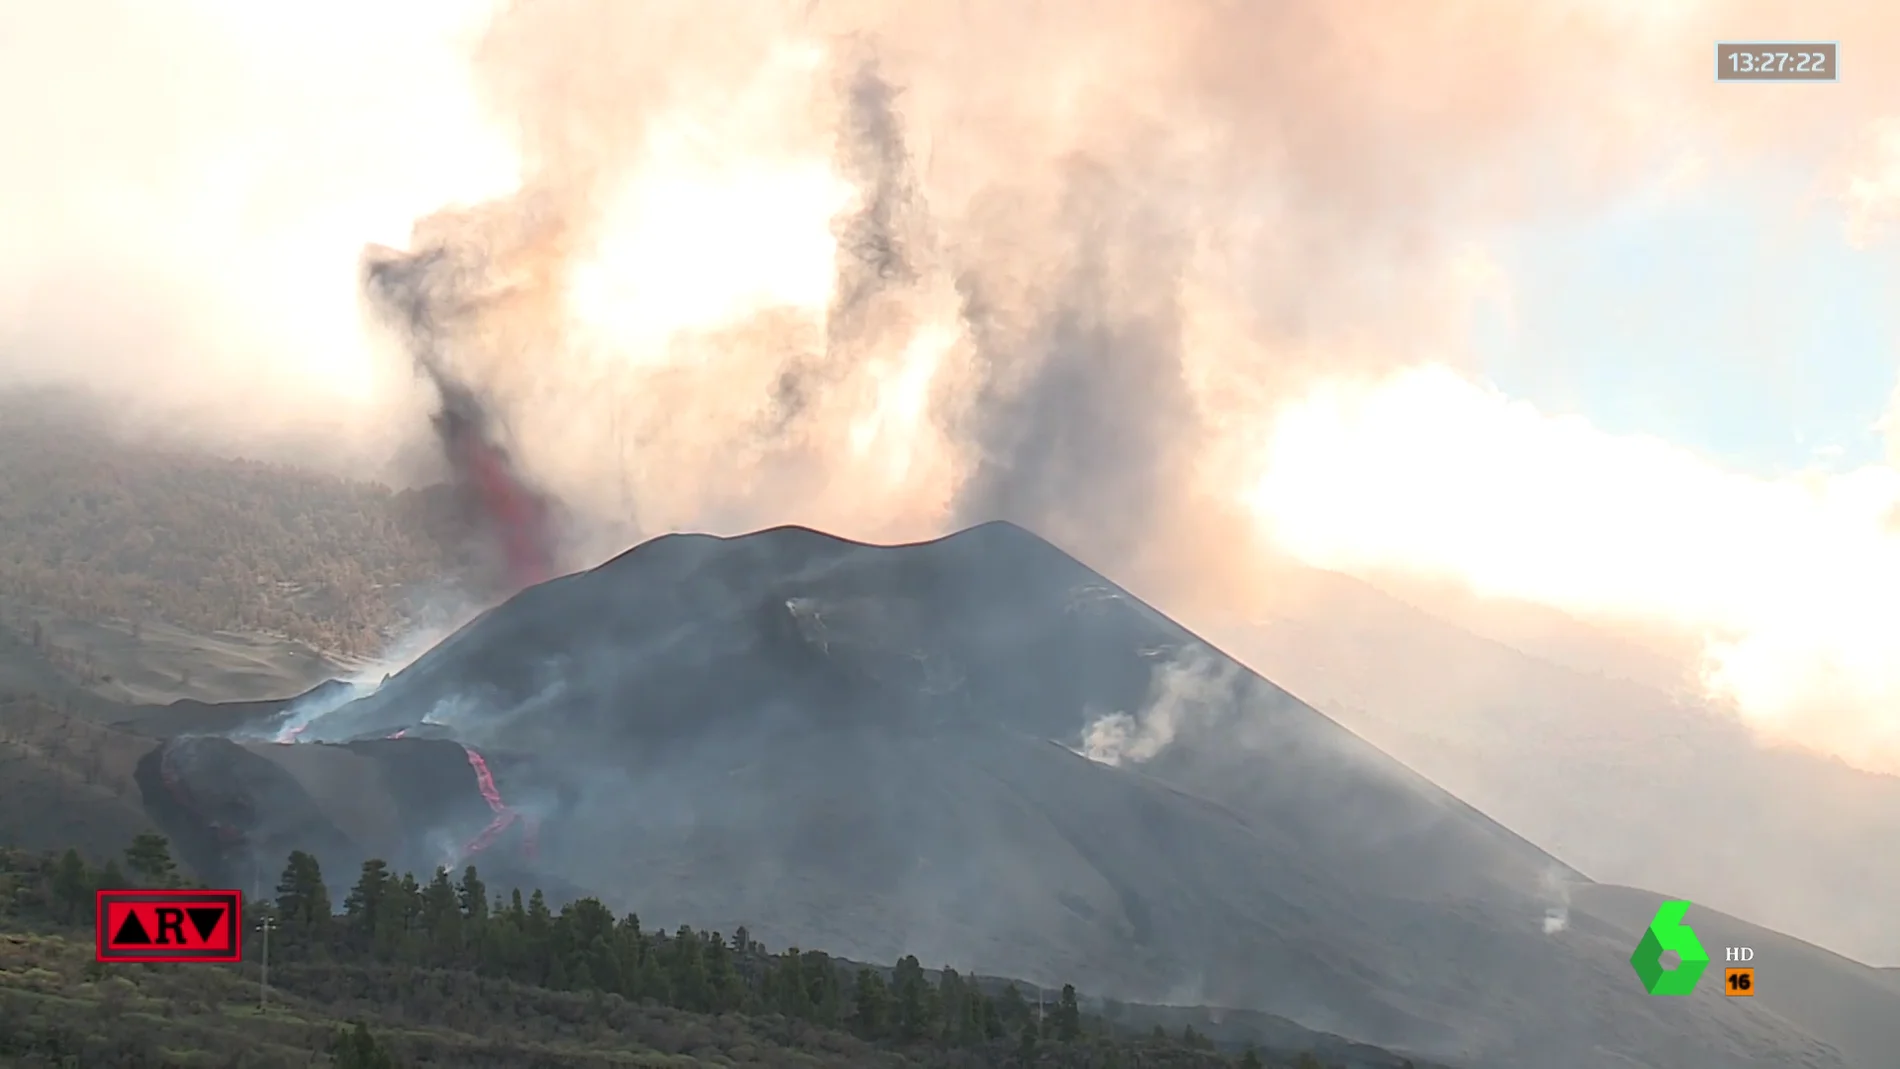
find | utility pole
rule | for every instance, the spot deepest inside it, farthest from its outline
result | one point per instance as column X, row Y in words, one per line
column 263, row 976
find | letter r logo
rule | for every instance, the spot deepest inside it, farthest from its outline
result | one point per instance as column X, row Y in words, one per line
column 1667, row 932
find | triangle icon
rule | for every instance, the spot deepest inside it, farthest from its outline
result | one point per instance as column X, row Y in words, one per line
column 205, row 919
column 132, row 933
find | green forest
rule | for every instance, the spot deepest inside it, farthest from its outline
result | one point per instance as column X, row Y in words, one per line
column 446, row 971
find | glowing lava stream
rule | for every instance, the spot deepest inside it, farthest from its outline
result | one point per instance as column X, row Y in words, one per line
column 519, row 516
column 504, row 816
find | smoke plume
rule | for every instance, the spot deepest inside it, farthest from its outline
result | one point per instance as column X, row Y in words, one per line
column 1188, row 690
column 886, row 269
column 431, row 294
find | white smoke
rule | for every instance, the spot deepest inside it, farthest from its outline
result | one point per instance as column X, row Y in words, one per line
column 1190, row 685
column 1555, row 886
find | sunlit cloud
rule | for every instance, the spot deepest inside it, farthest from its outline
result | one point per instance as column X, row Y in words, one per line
column 1792, row 581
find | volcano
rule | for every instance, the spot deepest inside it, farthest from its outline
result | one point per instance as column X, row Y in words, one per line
column 976, row 750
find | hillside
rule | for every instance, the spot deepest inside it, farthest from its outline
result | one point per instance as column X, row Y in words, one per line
column 95, row 768
column 442, row 974
column 65, row 781
column 1819, row 991
column 850, row 746
column 1580, row 761
column 99, row 529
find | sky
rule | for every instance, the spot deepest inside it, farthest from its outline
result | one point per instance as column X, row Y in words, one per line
column 1731, row 322
column 1190, row 284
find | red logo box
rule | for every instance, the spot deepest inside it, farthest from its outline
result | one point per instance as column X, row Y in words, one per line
column 161, row 926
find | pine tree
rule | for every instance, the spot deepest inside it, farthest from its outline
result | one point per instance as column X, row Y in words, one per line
column 1012, row 1009
column 1250, row 1060
column 441, row 919
column 368, row 900
column 789, row 993
column 356, row 1048
column 724, row 985
column 871, row 1005
column 538, row 923
column 652, row 979
column 71, row 885
column 912, row 1001
column 150, row 859
column 473, row 895
column 823, row 998
column 629, row 945
column 686, row 972
column 1068, row 1016
column 303, row 902
column 603, row 966
column 954, row 1001
column 992, row 1019
column 407, row 935
column 1026, row 1043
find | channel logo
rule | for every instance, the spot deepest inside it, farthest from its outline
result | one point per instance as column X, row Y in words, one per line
column 1666, row 932
column 169, row 926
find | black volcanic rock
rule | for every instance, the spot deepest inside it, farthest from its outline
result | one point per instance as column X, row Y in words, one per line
column 192, row 716
column 874, row 750
column 237, row 809
column 227, row 808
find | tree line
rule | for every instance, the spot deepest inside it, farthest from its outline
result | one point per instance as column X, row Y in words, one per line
column 456, row 923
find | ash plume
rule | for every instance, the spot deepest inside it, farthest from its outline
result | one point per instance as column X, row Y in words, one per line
column 883, row 245
column 882, row 240
column 1096, row 253
column 425, row 294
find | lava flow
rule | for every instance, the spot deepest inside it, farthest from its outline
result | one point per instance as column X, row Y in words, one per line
column 517, row 515
column 504, row 816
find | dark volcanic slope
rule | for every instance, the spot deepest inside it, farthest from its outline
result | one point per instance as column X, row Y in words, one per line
column 1849, row 1003
column 236, row 809
column 849, row 746
column 187, row 715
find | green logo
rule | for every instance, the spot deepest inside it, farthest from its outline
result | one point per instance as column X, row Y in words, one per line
column 1667, row 932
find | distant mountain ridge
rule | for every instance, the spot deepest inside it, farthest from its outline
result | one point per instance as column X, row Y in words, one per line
column 1582, row 762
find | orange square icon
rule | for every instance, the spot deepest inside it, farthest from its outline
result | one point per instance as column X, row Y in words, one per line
column 1738, row 983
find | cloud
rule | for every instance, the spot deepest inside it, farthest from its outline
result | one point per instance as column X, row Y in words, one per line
column 1178, row 278
column 1870, row 188
column 1791, row 581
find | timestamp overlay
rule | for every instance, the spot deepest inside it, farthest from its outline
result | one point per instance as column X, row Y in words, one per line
column 1777, row 61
